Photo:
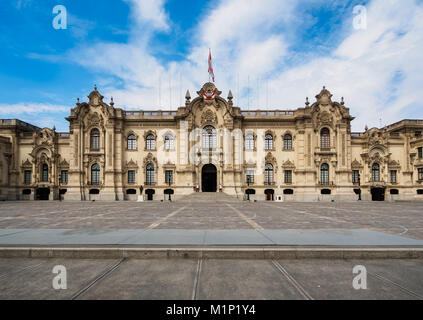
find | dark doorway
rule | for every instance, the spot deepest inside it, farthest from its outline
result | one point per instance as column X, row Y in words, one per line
column 43, row 194
column 378, row 194
column 150, row 193
column 209, row 178
column 269, row 194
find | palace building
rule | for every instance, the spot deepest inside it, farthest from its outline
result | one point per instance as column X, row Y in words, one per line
column 209, row 145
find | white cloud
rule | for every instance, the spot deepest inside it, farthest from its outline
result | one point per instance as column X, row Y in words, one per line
column 147, row 12
column 249, row 39
column 30, row 108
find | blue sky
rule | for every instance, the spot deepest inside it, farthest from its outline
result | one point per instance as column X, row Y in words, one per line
column 270, row 53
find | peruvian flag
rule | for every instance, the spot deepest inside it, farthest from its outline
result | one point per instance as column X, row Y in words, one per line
column 211, row 73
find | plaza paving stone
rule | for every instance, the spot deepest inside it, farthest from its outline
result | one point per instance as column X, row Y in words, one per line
column 399, row 218
column 210, row 279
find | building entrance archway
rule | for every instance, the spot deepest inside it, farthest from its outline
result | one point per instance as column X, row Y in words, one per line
column 209, row 178
column 43, row 194
column 378, row 194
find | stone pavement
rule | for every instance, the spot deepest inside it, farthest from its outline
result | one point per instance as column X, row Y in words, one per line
column 193, row 279
column 181, row 237
column 399, row 218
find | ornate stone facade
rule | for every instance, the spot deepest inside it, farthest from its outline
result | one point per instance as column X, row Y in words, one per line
column 309, row 154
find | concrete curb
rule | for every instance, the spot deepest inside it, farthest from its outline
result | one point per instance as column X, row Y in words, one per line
column 212, row 252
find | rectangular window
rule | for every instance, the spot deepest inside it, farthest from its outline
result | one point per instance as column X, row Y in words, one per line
column 420, row 171
column 250, row 177
column 27, row 176
column 288, row 176
column 131, row 176
column 64, row 177
column 169, row 143
column 420, row 152
column 355, row 176
column 169, row 177
column 393, row 176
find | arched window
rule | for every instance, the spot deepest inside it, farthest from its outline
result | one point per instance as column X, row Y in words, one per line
column 324, row 174
column 268, row 142
column 149, row 174
column 150, row 142
column 249, row 141
column 287, row 142
column 168, row 142
column 95, row 139
column 375, row 172
column 268, row 174
column 95, row 174
column 44, row 173
column 325, row 138
column 132, row 142
column 209, row 137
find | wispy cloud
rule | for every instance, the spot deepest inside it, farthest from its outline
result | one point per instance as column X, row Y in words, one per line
column 257, row 40
column 30, row 108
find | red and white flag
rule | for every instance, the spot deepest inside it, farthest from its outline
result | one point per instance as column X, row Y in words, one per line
column 211, row 73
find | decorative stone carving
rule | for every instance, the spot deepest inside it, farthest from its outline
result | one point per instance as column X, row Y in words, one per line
column 288, row 164
column 149, row 159
column 324, row 97
column 44, row 137
column 209, row 92
column 208, row 117
column 356, row 164
column 64, row 164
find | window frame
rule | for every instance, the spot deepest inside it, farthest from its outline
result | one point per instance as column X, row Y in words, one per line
column 249, row 142
column 44, row 172
column 375, row 172
column 269, row 174
column 131, row 142
column 324, row 174
column 393, row 174
column 132, row 176
column 150, row 174
column 269, row 141
column 287, row 141
column 169, row 176
column 64, row 174
column 208, row 140
column 325, row 138
column 29, row 180
column 169, row 142
column 150, row 142
column 95, row 139
column 95, row 174
column 287, row 176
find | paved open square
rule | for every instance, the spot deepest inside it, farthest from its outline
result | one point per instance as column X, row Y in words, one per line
column 397, row 218
column 188, row 279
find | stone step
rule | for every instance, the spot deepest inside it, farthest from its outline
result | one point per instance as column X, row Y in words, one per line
column 210, row 197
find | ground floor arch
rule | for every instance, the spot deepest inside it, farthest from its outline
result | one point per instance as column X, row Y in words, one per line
column 209, row 178
column 269, row 194
column 42, row 194
column 378, row 194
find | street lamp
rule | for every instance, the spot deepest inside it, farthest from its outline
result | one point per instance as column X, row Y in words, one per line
column 169, row 181
column 60, row 182
column 248, row 186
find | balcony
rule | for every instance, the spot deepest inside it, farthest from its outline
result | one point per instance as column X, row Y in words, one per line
column 149, row 183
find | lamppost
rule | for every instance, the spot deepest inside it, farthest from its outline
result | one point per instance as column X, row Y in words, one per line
column 169, row 182
column 60, row 183
column 248, row 186
column 359, row 188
